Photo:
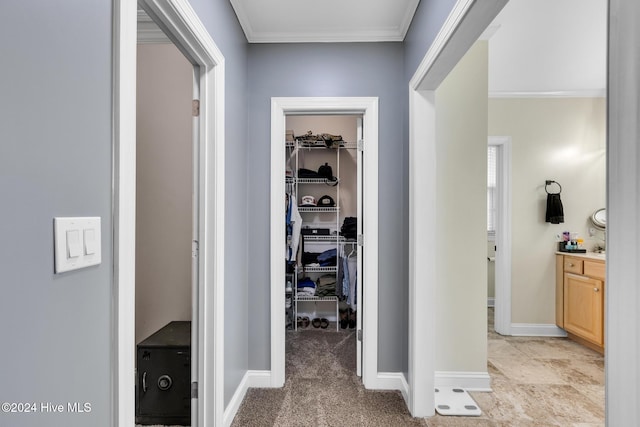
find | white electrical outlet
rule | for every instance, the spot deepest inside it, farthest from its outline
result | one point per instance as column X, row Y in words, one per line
column 77, row 243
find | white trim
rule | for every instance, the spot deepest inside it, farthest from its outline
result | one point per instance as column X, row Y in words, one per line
column 466, row 22
column 470, row 381
column 392, row 381
column 491, row 301
column 368, row 107
column 594, row 93
column 179, row 21
column 124, row 212
column 391, row 34
column 422, row 265
column 503, row 257
column 536, row 330
column 256, row 379
column 148, row 31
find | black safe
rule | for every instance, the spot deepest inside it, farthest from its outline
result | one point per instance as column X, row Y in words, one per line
column 163, row 386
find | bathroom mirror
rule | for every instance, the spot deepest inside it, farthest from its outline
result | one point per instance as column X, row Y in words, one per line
column 599, row 219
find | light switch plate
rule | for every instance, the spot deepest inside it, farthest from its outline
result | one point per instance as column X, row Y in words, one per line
column 84, row 248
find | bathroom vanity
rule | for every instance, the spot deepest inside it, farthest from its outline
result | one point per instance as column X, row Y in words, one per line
column 580, row 284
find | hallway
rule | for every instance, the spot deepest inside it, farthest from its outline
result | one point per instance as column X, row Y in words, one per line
column 535, row 381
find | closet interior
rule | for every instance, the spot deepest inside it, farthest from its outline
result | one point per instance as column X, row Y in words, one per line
column 321, row 253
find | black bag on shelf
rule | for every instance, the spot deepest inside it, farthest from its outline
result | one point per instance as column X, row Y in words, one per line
column 325, row 171
column 307, row 173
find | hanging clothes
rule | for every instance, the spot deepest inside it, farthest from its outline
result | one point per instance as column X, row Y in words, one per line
column 352, row 263
column 294, row 225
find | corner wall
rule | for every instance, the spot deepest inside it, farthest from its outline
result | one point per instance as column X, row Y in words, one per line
column 461, row 214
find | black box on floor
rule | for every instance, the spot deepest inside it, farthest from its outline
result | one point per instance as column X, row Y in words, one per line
column 163, row 386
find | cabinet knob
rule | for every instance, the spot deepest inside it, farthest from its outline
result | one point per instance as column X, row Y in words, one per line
column 570, row 264
column 596, row 290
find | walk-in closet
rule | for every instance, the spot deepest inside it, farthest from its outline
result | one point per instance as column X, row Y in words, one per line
column 322, row 204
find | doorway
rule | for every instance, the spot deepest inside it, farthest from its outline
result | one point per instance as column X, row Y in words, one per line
column 166, row 200
column 181, row 24
column 324, row 190
column 423, row 145
column 367, row 108
column 502, row 233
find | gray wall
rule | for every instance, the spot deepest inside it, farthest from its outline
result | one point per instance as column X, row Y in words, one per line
column 429, row 17
column 55, row 160
column 221, row 22
column 426, row 23
column 329, row 70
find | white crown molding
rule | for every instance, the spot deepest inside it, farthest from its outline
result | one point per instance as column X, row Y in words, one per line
column 148, row 31
column 588, row 93
column 389, row 34
column 393, row 35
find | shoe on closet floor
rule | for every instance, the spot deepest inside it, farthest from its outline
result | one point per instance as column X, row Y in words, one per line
column 352, row 319
column 303, row 322
column 344, row 318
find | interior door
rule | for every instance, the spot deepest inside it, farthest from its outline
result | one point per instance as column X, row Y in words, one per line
column 195, row 236
column 360, row 278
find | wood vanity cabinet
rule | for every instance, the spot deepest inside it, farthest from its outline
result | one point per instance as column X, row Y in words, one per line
column 580, row 298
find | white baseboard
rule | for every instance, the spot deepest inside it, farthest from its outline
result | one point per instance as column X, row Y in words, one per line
column 392, row 381
column 471, row 381
column 536, row 330
column 491, row 301
column 259, row 379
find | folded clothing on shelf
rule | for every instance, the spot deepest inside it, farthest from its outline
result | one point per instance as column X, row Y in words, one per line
column 326, row 285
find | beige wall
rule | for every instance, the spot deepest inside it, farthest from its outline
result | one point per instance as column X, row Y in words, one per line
column 460, row 236
column 561, row 139
column 163, row 210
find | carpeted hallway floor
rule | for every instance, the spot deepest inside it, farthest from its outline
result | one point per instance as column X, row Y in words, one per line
column 536, row 382
column 322, row 389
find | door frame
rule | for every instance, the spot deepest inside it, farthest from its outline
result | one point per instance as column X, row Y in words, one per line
column 503, row 235
column 368, row 108
column 180, row 22
column 466, row 22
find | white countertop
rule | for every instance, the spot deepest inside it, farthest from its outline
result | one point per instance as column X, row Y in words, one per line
column 588, row 255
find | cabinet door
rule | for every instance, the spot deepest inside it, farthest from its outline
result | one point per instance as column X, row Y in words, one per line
column 583, row 307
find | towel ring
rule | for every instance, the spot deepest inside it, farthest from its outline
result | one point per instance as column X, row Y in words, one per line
column 548, row 183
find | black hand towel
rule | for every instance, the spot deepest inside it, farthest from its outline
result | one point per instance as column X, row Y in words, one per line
column 555, row 212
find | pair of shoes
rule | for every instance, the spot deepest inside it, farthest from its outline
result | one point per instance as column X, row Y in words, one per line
column 344, row 319
column 352, row 319
column 303, row 322
column 320, row 323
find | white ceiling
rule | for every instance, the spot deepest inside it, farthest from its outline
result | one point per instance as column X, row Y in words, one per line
column 285, row 21
column 536, row 47
column 549, row 47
